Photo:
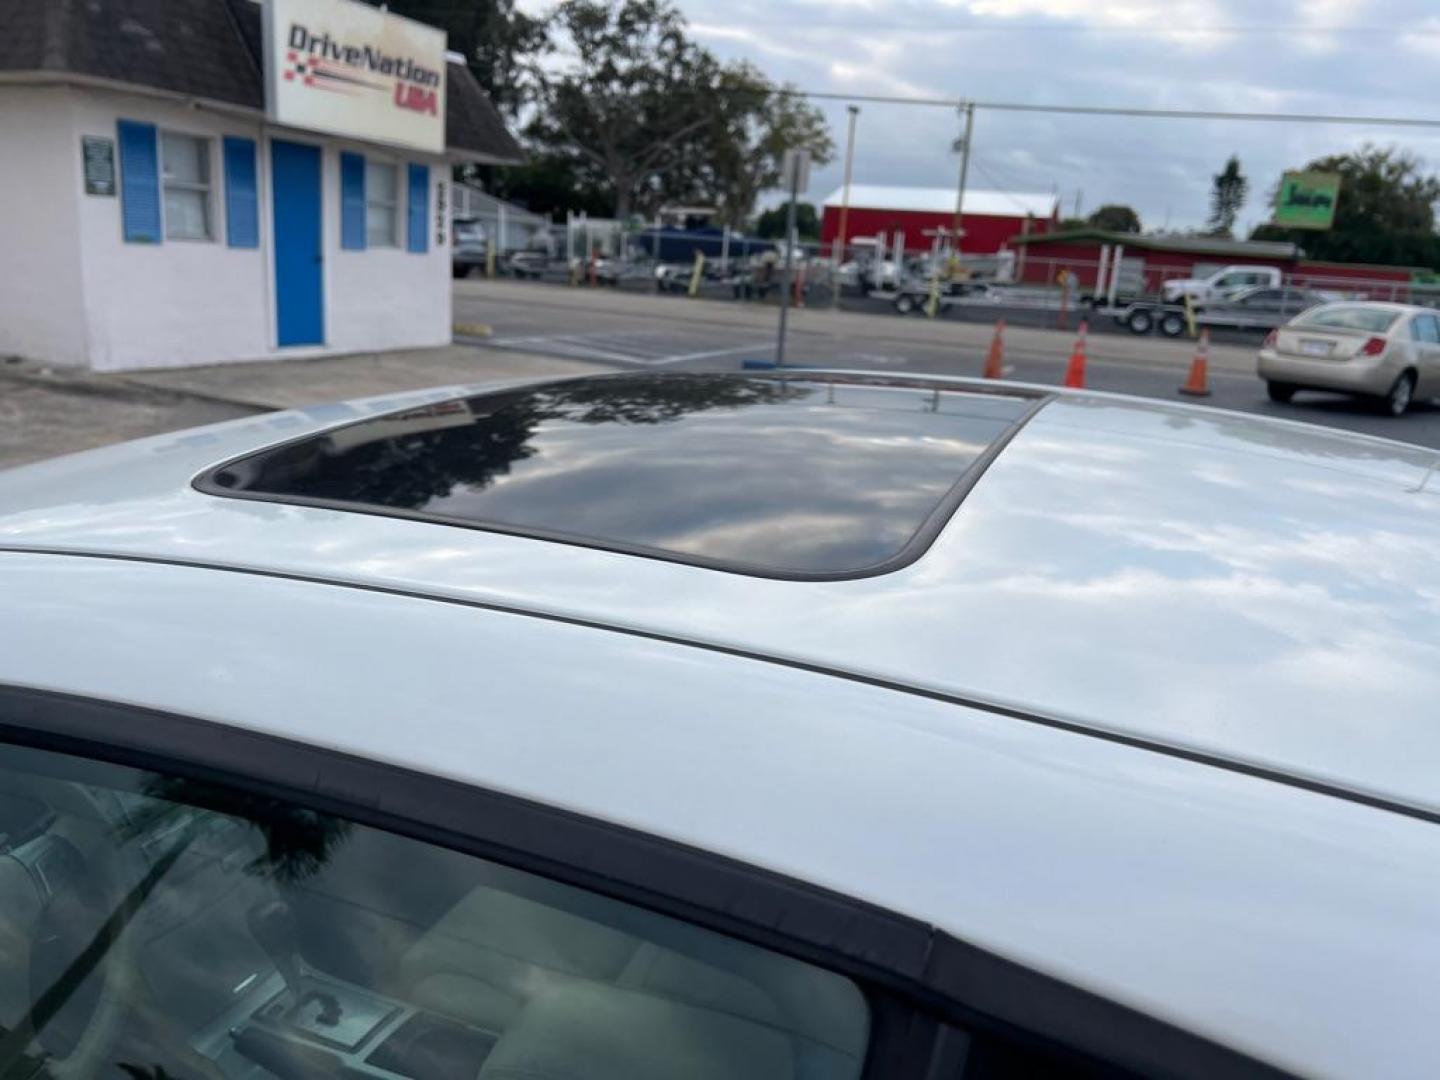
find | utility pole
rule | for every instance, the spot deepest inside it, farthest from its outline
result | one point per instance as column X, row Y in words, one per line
column 968, row 110
column 839, row 253
column 962, row 144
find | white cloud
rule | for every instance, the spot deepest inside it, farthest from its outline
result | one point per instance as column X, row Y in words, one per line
column 710, row 32
column 1126, row 13
column 856, row 76
column 1317, row 20
column 1224, row 55
column 1195, row 23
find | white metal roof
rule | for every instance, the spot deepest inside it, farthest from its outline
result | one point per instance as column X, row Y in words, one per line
column 940, row 200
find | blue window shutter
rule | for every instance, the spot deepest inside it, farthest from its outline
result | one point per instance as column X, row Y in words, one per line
column 417, row 209
column 242, row 210
column 139, row 182
column 352, row 201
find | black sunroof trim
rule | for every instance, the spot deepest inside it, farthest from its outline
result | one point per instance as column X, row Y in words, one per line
column 918, row 543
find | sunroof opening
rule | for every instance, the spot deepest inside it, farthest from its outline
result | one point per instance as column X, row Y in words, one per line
column 796, row 477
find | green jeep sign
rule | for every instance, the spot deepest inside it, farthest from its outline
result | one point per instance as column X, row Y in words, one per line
column 1307, row 200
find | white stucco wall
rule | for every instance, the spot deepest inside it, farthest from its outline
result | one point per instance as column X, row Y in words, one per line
column 41, row 311
column 386, row 298
column 186, row 302
column 178, row 302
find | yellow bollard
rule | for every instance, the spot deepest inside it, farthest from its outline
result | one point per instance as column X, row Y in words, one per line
column 932, row 306
column 695, row 274
column 490, row 261
column 1190, row 314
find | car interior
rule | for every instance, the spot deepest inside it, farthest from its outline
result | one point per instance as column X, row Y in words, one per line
column 155, row 927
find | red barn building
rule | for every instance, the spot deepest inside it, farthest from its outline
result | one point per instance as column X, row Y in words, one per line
column 1149, row 261
column 991, row 219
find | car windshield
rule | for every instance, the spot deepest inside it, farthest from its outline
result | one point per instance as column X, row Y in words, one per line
column 1374, row 320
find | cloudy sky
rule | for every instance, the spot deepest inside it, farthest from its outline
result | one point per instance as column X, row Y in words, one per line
column 1336, row 57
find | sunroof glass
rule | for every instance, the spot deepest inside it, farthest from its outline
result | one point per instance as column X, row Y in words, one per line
column 800, row 477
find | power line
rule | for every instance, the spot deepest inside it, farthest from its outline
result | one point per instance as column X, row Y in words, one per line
column 1001, row 185
column 1150, row 30
column 1064, row 110
column 1120, row 110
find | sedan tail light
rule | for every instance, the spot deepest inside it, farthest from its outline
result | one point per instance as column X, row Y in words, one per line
column 1270, row 339
column 1374, row 347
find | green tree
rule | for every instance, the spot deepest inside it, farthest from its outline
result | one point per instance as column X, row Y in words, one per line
column 735, row 157
column 1228, row 192
column 499, row 43
column 1114, row 217
column 552, row 182
column 1385, row 212
column 636, row 90
column 648, row 116
column 770, row 225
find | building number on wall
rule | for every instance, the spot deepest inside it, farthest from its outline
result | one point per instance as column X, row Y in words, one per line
column 441, row 213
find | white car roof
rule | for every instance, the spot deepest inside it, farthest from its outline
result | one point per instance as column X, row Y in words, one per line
column 1204, row 581
column 1241, row 610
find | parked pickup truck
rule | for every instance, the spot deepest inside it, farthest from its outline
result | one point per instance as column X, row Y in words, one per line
column 1220, row 284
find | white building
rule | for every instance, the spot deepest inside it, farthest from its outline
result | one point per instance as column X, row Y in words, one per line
column 512, row 227
column 191, row 183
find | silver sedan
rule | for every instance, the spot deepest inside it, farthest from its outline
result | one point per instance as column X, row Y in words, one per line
column 1388, row 351
column 823, row 726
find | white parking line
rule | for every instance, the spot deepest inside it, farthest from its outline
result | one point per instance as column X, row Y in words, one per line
column 709, row 353
column 569, row 346
column 609, row 346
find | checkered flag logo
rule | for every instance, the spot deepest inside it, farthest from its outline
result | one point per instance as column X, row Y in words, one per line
column 299, row 67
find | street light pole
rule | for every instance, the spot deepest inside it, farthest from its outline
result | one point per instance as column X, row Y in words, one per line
column 839, row 252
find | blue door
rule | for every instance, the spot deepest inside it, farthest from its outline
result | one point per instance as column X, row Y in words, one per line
column 299, row 288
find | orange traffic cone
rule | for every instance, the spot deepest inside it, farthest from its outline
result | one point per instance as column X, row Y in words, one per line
column 1075, row 373
column 995, row 358
column 1198, row 384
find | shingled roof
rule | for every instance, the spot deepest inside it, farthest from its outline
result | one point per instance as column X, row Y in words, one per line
column 209, row 50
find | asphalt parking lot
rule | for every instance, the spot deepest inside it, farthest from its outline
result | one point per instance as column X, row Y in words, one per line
column 537, row 331
column 1020, row 308
column 635, row 330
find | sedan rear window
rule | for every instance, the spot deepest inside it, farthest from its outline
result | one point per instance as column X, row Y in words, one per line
column 776, row 476
column 225, row 933
column 1372, row 320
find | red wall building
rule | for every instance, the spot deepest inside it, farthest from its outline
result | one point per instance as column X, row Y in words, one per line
column 991, row 219
column 1151, row 260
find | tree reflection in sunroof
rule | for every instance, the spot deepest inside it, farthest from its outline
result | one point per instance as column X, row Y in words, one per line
column 805, row 476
